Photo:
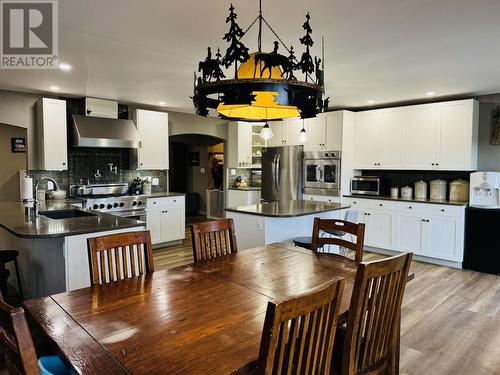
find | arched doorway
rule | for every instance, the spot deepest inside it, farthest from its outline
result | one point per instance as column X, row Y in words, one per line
column 13, row 160
column 197, row 165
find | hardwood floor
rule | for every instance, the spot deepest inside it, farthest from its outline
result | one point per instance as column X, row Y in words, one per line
column 450, row 317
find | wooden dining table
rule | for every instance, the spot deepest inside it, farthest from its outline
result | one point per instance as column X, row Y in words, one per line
column 203, row 318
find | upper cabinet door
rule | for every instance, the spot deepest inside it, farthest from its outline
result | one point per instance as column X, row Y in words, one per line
column 153, row 132
column 244, row 143
column 316, row 131
column 333, row 130
column 53, row 144
column 366, row 139
column 423, row 126
column 455, row 136
column 293, row 128
column 279, row 134
column 393, row 126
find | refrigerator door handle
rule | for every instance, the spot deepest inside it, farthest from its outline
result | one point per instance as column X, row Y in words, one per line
column 274, row 171
column 278, row 172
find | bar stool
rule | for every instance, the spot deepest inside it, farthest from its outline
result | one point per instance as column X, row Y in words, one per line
column 7, row 256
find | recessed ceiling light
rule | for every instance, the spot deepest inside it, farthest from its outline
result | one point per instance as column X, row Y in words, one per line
column 54, row 88
column 371, row 101
column 430, row 93
column 162, row 104
column 65, row 67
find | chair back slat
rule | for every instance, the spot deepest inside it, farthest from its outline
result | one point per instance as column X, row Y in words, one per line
column 120, row 256
column 213, row 239
column 298, row 334
column 16, row 341
column 357, row 230
column 374, row 315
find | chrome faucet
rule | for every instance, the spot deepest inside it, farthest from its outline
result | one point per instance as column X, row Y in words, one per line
column 36, row 204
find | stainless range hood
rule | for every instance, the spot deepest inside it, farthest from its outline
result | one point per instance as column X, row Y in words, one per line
column 91, row 131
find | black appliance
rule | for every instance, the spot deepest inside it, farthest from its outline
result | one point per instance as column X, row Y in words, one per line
column 482, row 245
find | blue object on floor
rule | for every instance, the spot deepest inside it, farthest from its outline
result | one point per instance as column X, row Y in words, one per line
column 53, row 365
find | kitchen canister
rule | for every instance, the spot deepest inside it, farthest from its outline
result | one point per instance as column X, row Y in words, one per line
column 421, row 190
column 146, row 187
column 459, row 191
column 394, row 192
column 438, row 190
column 406, row 192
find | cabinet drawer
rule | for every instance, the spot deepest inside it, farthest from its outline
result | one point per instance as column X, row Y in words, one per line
column 382, row 204
column 356, row 203
column 412, row 207
column 446, row 210
column 166, row 202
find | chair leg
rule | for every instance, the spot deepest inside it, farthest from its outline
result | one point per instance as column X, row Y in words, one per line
column 18, row 276
column 4, row 275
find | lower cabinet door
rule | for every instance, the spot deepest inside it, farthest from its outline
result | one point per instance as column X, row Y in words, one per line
column 172, row 224
column 411, row 234
column 380, row 229
column 154, row 225
column 443, row 238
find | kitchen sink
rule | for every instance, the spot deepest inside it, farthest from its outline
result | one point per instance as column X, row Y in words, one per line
column 66, row 214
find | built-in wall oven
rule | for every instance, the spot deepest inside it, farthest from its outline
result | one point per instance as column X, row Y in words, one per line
column 322, row 172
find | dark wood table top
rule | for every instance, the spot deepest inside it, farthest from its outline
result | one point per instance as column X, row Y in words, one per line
column 194, row 319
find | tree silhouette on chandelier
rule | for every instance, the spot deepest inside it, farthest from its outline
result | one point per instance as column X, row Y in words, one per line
column 236, row 52
column 306, row 64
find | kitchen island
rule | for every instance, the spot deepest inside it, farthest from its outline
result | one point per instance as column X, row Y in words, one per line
column 267, row 223
column 53, row 254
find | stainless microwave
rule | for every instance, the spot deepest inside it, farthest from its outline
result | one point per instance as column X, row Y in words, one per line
column 365, row 185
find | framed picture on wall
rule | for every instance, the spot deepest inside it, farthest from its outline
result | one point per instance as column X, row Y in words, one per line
column 495, row 127
column 18, row 144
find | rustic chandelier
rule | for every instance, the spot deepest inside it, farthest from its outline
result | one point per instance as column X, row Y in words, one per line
column 265, row 86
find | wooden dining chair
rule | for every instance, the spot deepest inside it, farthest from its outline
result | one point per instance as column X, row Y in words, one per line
column 120, row 256
column 16, row 341
column 371, row 343
column 299, row 333
column 339, row 226
column 213, row 239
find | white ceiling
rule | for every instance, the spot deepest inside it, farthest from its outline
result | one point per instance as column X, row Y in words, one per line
column 383, row 50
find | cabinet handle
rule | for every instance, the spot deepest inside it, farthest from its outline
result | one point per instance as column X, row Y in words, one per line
column 437, row 163
column 432, row 163
column 410, row 207
column 380, row 204
column 64, row 163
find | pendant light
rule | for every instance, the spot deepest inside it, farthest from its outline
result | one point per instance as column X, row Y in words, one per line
column 303, row 134
column 266, row 132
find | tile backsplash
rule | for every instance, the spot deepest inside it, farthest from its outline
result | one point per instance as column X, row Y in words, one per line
column 84, row 162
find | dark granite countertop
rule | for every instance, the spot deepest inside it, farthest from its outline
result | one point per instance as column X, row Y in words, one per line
column 165, row 194
column 413, row 200
column 248, row 188
column 12, row 219
column 288, row 209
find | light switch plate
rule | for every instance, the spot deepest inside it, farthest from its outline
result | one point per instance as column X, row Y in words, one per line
column 202, row 170
column 155, row 181
column 232, row 172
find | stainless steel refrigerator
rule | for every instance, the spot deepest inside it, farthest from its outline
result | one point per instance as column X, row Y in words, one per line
column 282, row 173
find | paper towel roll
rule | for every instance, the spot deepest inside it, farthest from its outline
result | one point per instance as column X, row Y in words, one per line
column 26, row 188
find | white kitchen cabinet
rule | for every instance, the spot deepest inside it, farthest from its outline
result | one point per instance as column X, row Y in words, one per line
column 457, row 138
column 166, row 219
column 366, row 139
column 379, row 139
column 392, row 134
column 411, row 233
column 152, row 127
column 334, row 130
column 423, row 127
column 316, row 133
column 53, row 142
column 433, row 231
column 321, row 198
column 293, row 128
column 240, row 144
column 444, row 237
column 279, row 138
column 437, row 136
